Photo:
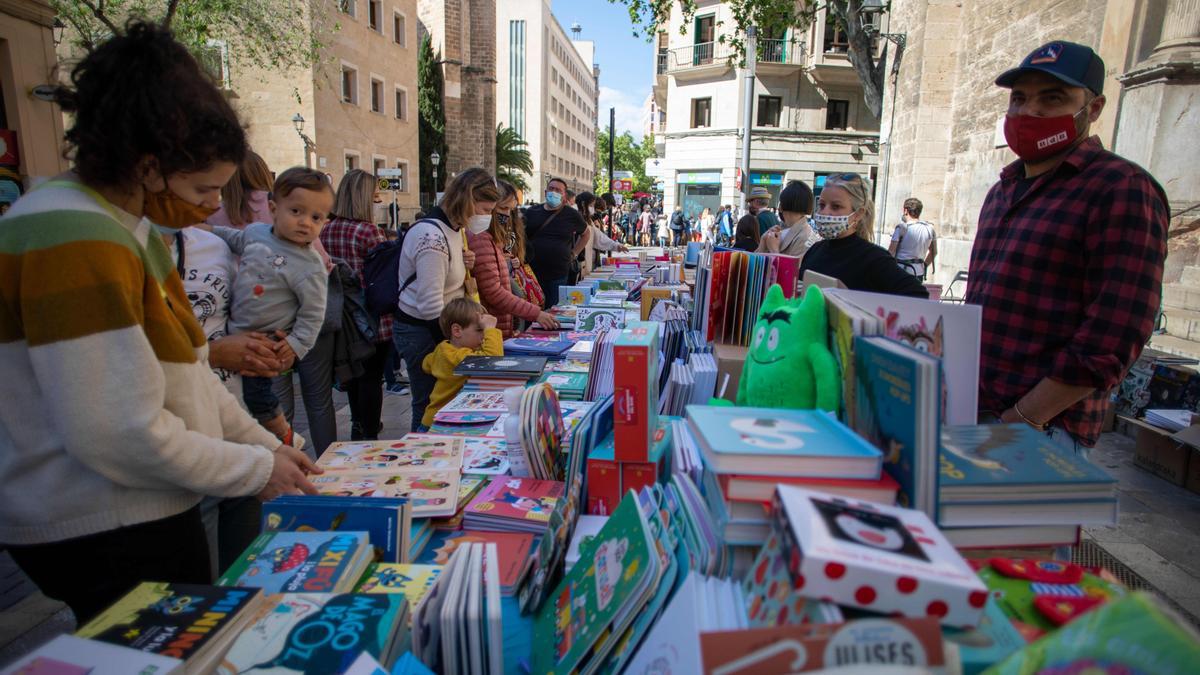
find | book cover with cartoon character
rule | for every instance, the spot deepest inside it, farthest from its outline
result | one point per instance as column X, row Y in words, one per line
column 412, row 581
column 1003, row 456
column 414, row 452
column 599, row 596
column 294, row 562
column 513, row 549
column 486, row 456
column 523, row 500
column 384, row 521
column 431, row 493
column 175, row 620
column 316, row 633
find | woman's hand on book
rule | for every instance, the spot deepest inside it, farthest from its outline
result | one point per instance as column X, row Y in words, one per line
column 546, row 320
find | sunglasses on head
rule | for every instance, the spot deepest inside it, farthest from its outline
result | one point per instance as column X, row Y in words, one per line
column 844, row 178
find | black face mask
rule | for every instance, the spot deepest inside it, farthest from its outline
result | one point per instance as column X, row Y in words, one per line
column 502, row 218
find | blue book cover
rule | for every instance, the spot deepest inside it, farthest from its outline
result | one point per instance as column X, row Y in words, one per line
column 892, row 390
column 532, row 347
column 771, row 440
column 294, row 562
column 988, row 643
column 381, row 522
column 575, row 295
column 996, row 455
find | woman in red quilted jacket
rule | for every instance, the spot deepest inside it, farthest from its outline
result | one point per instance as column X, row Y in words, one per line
column 493, row 268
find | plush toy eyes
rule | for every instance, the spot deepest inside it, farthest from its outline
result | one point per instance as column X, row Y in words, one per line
column 773, row 340
column 758, row 335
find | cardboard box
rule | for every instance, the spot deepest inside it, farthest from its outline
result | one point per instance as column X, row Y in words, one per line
column 603, row 480
column 635, row 390
column 1190, row 438
column 637, row 475
column 1159, row 453
column 730, row 361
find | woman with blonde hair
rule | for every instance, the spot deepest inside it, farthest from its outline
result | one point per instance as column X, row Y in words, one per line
column 844, row 220
column 494, row 268
column 349, row 235
column 244, row 197
column 434, row 262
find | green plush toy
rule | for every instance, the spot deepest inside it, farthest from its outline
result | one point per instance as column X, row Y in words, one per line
column 789, row 364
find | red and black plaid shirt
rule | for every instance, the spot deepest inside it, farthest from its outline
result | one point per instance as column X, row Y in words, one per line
column 350, row 240
column 1069, row 275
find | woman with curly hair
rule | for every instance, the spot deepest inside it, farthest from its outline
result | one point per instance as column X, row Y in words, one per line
column 113, row 424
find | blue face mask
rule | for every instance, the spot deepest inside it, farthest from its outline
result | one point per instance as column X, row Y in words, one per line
column 553, row 200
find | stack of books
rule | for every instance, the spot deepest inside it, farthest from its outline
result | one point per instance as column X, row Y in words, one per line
column 1008, row 485
column 458, row 627
column 752, row 449
column 530, row 346
column 197, row 624
column 1171, row 420
column 424, row 468
column 511, row 504
column 72, row 655
column 693, row 382
column 495, row 373
column 600, row 368
column 513, row 551
column 387, row 521
column 570, row 386
column 294, row 562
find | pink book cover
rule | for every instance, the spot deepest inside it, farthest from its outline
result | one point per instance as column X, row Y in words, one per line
column 517, row 499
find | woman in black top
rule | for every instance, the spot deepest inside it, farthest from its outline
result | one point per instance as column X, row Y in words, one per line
column 845, row 215
column 746, row 235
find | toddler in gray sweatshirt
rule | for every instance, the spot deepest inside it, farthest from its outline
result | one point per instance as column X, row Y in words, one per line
column 281, row 281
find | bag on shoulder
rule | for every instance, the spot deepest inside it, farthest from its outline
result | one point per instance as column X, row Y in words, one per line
column 381, row 274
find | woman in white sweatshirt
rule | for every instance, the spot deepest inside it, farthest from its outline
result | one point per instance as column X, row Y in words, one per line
column 433, row 269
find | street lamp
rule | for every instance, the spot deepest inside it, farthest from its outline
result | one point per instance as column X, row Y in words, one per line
column 435, row 159
column 57, row 31
column 309, row 145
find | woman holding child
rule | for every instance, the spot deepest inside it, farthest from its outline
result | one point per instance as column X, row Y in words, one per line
column 433, row 270
column 113, row 424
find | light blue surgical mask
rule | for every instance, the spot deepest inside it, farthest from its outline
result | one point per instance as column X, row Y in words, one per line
column 553, row 200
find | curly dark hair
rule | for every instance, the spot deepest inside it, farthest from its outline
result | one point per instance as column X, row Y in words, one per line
column 142, row 93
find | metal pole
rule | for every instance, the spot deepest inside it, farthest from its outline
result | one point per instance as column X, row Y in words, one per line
column 748, row 109
column 612, row 123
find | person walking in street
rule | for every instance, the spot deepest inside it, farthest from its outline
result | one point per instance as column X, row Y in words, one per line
column 725, row 225
column 704, row 226
column 1068, row 259
column 844, row 220
column 433, row 266
column 646, row 226
column 679, row 226
column 554, row 234
column 114, row 424
column 914, row 242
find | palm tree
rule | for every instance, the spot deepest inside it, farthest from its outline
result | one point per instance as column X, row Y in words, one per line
column 512, row 159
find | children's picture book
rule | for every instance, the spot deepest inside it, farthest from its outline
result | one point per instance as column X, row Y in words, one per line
column 771, row 441
column 599, row 318
column 846, row 320
column 897, row 396
column 431, row 493
column 294, row 562
column 986, row 644
column 568, row 385
column 879, row 558
column 575, row 295
column 523, row 346
column 318, row 633
column 514, row 504
column 412, row 581
column 600, row 597
column 947, row 331
column 71, row 655
column 501, row 366
column 186, row 621
column 772, row 599
column 387, row 522
column 486, row 456
column 512, row 547
column 414, row 452
column 471, row 407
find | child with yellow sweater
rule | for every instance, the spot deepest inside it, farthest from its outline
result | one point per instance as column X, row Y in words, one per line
column 470, row 331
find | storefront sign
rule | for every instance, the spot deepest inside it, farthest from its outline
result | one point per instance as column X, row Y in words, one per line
column 699, row 177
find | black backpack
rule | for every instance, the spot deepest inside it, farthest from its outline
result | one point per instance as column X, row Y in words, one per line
column 381, row 273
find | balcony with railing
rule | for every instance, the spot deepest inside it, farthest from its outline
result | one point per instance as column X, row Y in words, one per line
column 780, row 55
column 699, row 60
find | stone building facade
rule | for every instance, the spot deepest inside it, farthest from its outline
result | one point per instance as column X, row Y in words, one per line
column 465, row 33
column 359, row 103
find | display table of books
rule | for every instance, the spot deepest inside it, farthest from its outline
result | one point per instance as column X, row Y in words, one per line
column 587, row 504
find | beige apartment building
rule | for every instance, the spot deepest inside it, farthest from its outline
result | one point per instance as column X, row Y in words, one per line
column 359, row 104
column 27, row 59
column 548, row 90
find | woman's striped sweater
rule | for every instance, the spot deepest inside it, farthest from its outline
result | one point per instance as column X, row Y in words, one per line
column 109, row 413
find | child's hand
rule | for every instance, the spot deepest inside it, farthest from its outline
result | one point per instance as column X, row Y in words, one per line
column 487, row 321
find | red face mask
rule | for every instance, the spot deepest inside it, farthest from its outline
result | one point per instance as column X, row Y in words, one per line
column 1037, row 138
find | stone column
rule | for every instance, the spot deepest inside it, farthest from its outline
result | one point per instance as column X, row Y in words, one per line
column 1181, row 31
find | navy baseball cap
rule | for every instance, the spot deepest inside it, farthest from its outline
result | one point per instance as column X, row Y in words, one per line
column 1075, row 64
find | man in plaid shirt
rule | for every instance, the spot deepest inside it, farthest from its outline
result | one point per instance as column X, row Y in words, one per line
column 1068, row 258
